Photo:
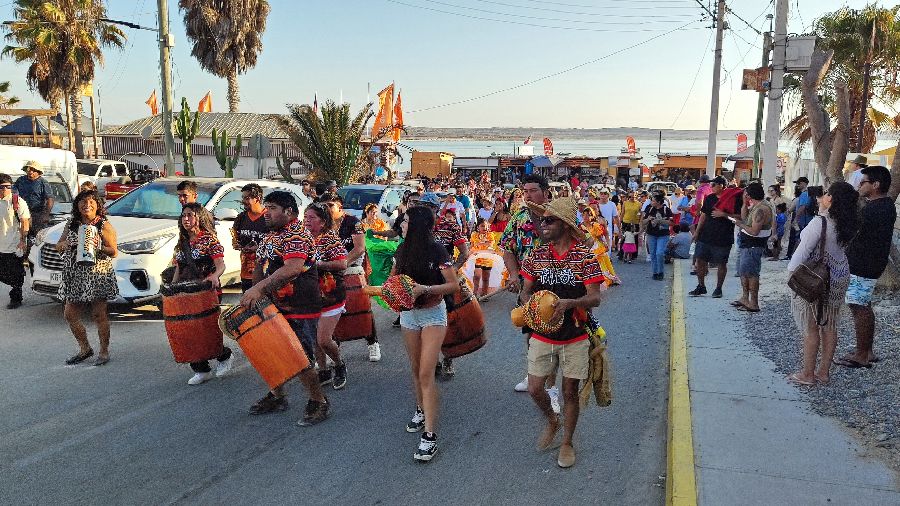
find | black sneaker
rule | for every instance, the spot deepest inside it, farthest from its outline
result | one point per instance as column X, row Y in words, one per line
column 696, row 292
column 269, row 404
column 447, row 368
column 325, row 377
column 418, row 421
column 427, row 447
column 717, row 293
column 340, row 376
column 13, row 304
column 396, row 323
column 314, row 413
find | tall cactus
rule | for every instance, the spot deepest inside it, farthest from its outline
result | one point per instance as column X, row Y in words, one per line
column 284, row 165
column 186, row 129
column 221, row 144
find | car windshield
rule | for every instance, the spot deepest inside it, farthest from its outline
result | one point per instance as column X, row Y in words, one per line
column 87, row 169
column 60, row 191
column 359, row 198
column 158, row 199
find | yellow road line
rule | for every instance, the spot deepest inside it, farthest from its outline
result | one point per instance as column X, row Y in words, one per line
column 681, row 483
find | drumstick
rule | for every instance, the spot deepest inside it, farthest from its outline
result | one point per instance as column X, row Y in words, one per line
column 490, row 296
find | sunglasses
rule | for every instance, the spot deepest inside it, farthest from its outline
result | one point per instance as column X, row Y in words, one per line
column 548, row 220
column 5, row 186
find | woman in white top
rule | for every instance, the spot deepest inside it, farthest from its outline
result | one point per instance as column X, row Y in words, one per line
column 838, row 211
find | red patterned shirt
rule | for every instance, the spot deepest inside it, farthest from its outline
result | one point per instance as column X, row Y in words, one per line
column 329, row 248
column 565, row 275
column 299, row 298
column 204, row 245
column 448, row 234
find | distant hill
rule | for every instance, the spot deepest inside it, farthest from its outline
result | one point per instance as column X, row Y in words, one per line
column 521, row 133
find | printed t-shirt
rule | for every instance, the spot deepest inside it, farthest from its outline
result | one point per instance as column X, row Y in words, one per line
column 351, row 226
column 300, row 297
column 662, row 213
column 521, row 235
column 248, row 229
column 715, row 231
column 329, row 248
column 428, row 273
column 204, row 246
column 448, row 234
column 565, row 275
column 868, row 252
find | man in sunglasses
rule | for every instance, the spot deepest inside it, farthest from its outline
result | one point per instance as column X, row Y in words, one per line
column 14, row 225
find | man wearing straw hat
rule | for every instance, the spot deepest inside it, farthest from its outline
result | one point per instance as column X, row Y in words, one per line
column 856, row 166
column 565, row 266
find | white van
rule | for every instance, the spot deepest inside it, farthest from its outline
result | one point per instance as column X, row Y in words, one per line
column 56, row 162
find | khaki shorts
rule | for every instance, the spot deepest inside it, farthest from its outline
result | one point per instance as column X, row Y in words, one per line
column 543, row 358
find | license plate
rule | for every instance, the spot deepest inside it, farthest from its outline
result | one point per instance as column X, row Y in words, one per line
column 55, row 277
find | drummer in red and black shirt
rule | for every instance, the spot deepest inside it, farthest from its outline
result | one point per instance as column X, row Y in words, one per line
column 200, row 257
column 286, row 272
column 248, row 230
column 565, row 266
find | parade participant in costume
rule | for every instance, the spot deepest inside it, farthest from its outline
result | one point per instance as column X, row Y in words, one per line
column 88, row 284
column 595, row 228
column 358, row 319
column 500, row 216
column 370, row 219
column 248, row 230
column 521, row 236
column 331, row 260
column 424, row 327
column 517, row 199
column 565, row 267
column 200, row 257
column 286, row 272
column 482, row 240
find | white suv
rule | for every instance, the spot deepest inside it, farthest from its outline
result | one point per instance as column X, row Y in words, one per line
column 146, row 223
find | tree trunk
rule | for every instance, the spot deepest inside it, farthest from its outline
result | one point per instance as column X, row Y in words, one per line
column 894, row 190
column 819, row 121
column 840, row 143
column 234, row 92
column 76, row 124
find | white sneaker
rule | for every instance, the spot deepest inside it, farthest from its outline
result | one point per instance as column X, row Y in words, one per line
column 329, row 364
column 200, row 377
column 223, row 367
column 522, row 386
column 554, row 398
column 374, row 352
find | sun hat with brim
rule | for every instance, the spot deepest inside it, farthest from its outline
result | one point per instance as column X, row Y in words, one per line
column 861, row 160
column 563, row 208
column 603, row 190
column 33, row 164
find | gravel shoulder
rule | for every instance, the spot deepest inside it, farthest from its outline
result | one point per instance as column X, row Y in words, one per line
column 866, row 401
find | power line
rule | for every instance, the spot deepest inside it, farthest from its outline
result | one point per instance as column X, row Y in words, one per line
column 543, row 18
column 548, row 76
column 606, row 9
column 589, row 6
column 694, row 82
column 522, row 23
column 735, row 14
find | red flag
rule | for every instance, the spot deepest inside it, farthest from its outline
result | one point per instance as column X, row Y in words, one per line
column 398, row 119
column 528, row 140
column 154, row 106
column 742, row 142
column 205, row 104
column 548, row 146
column 632, row 147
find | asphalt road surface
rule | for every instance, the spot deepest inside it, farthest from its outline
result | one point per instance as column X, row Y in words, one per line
column 134, row 432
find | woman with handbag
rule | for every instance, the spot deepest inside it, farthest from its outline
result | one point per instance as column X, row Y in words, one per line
column 820, row 275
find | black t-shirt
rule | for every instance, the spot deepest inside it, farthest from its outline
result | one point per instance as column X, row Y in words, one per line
column 662, row 213
column 398, row 222
column 715, row 231
column 428, row 271
column 868, row 252
column 249, row 231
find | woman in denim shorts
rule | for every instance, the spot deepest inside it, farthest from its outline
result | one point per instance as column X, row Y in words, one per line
column 424, row 326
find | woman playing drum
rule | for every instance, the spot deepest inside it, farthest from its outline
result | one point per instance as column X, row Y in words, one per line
column 200, row 257
column 85, row 284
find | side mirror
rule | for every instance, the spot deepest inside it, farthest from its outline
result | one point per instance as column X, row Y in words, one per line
column 226, row 214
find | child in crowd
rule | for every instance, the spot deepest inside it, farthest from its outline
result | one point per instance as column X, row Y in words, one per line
column 629, row 247
column 780, row 221
column 482, row 240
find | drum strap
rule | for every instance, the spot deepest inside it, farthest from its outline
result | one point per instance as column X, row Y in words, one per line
column 201, row 314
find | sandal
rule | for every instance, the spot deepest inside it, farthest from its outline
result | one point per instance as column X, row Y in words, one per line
column 793, row 378
column 747, row 309
column 101, row 360
column 81, row 357
column 852, row 364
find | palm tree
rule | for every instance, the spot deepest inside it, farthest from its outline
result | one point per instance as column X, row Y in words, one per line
column 227, row 37
column 329, row 142
column 63, row 40
column 4, row 100
column 847, row 32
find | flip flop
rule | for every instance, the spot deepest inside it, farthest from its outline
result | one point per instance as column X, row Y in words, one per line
column 797, row 381
column 748, row 309
column 852, row 364
column 81, row 357
column 737, row 303
column 101, row 361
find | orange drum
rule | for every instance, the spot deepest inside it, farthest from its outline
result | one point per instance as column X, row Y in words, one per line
column 465, row 324
column 357, row 322
column 267, row 340
column 190, row 310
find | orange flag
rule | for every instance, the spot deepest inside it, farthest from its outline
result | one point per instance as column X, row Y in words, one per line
column 384, row 117
column 154, row 106
column 205, row 103
column 398, row 119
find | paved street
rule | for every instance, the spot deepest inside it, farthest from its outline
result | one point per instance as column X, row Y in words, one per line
column 134, row 431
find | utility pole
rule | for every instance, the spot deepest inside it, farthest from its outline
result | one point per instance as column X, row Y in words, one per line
column 761, row 103
column 865, row 95
column 714, row 105
column 776, row 90
column 166, row 42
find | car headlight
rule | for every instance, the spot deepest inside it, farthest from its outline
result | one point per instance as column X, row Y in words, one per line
column 149, row 245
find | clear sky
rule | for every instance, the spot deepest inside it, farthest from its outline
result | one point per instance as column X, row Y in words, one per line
column 436, row 57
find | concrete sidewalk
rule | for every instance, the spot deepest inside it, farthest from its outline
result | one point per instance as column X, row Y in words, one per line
column 755, row 438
